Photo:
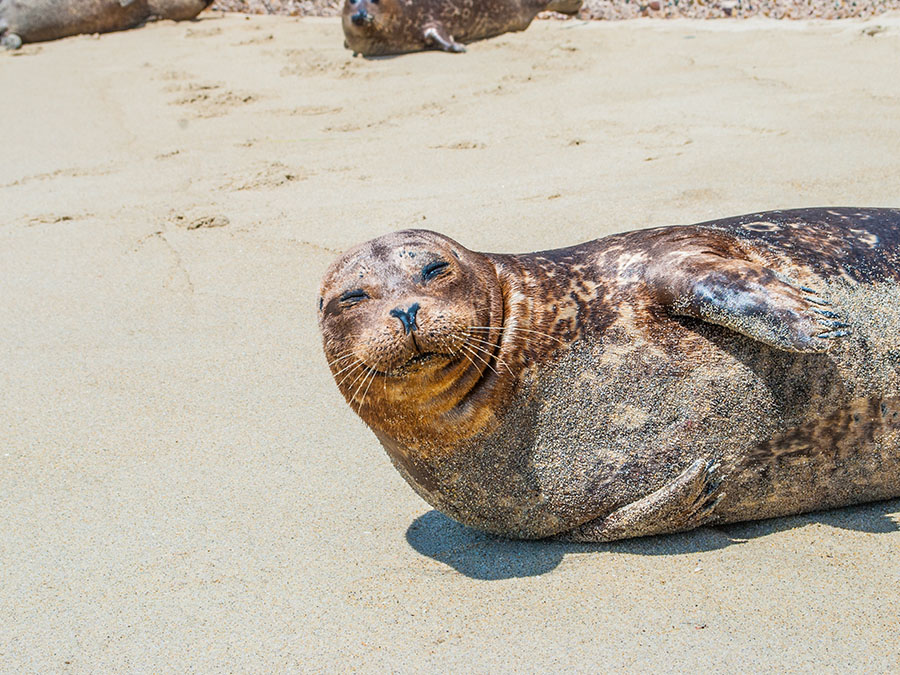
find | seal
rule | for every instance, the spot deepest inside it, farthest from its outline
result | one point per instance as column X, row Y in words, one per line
column 41, row 20
column 382, row 27
column 646, row 382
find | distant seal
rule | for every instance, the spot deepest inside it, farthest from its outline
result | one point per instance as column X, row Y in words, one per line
column 380, row 27
column 40, row 20
column 646, row 382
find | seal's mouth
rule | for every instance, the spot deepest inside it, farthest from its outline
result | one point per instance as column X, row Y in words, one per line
column 418, row 362
column 422, row 358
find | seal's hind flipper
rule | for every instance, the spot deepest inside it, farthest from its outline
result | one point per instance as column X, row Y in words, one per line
column 685, row 503
column 439, row 37
column 747, row 298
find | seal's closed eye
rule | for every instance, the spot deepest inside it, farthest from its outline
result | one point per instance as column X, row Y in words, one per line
column 434, row 269
column 353, row 297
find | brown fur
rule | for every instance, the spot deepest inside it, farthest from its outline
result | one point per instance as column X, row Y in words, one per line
column 400, row 26
column 646, row 382
column 40, row 20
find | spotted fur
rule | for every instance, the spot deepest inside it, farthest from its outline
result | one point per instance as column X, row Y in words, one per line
column 379, row 27
column 646, row 382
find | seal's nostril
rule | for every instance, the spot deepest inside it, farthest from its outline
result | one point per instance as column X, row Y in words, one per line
column 407, row 317
column 360, row 17
column 413, row 308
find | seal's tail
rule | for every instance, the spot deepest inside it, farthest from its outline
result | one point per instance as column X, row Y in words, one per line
column 564, row 6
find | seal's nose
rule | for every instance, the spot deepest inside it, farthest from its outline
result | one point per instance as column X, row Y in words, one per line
column 407, row 317
column 360, row 18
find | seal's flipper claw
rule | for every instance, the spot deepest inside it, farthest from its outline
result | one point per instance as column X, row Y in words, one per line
column 833, row 334
column 439, row 37
column 685, row 503
column 717, row 286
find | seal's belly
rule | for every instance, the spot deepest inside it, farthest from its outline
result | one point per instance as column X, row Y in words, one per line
column 793, row 432
column 849, row 456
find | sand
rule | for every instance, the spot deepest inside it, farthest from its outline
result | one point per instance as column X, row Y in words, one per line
column 182, row 487
column 625, row 9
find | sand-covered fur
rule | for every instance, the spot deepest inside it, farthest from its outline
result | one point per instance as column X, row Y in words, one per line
column 646, row 382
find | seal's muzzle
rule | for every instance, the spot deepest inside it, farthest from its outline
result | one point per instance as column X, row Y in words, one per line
column 361, row 18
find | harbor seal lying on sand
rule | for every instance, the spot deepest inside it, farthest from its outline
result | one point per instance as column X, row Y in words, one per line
column 380, row 27
column 40, row 20
column 646, row 382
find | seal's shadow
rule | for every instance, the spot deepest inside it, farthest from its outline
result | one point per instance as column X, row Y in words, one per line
column 488, row 557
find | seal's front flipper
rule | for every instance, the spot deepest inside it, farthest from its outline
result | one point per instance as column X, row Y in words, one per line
column 10, row 40
column 747, row 298
column 438, row 36
column 685, row 503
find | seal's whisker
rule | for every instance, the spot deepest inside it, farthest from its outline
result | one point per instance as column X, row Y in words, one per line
column 445, row 343
column 350, row 368
column 371, row 380
column 490, row 354
column 469, row 358
column 517, row 328
column 362, row 372
column 472, row 338
column 347, row 375
column 488, row 347
column 469, row 355
column 347, row 367
column 482, row 359
column 342, row 357
column 362, row 382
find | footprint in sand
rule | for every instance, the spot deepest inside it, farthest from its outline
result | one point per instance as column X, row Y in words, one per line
column 53, row 219
column 270, row 176
column 207, row 99
column 460, row 145
column 196, row 222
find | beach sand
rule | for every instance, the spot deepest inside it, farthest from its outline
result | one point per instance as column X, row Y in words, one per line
column 182, row 487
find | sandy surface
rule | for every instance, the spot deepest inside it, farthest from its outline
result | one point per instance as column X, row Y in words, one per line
column 181, row 485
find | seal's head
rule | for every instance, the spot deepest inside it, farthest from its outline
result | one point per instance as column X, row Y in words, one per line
column 370, row 26
column 411, row 325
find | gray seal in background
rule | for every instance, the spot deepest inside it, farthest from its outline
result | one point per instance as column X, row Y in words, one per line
column 41, row 20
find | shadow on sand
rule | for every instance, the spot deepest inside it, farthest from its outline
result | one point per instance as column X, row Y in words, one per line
column 488, row 557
